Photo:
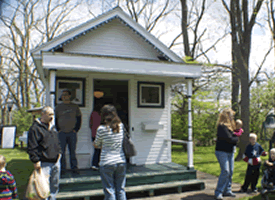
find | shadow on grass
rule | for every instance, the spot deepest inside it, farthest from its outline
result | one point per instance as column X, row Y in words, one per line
column 206, row 162
column 21, row 170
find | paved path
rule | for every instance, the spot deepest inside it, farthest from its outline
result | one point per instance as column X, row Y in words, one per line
column 206, row 194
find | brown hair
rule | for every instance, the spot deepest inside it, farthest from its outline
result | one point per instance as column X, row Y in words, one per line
column 2, row 161
column 226, row 118
column 109, row 115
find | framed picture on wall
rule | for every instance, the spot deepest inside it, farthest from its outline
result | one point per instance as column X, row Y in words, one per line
column 150, row 94
column 75, row 85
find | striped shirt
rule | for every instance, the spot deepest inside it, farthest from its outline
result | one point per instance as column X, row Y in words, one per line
column 111, row 143
column 8, row 188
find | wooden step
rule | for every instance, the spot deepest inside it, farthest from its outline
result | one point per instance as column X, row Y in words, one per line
column 148, row 187
column 86, row 179
column 132, row 179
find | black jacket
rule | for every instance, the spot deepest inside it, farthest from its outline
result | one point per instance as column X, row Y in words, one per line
column 43, row 143
column 226, row 140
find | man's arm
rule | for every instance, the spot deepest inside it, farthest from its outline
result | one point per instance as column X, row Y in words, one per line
column 78, row 123
column 33, row 137
column 56, row 120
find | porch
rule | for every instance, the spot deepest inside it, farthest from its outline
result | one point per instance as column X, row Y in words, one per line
column 143, row 178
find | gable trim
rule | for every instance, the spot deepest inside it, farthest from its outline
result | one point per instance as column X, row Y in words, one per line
column 106, row 22
column 83, row 29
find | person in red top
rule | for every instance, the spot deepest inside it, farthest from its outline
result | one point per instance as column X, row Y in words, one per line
column 8, row 188
column 95, row 119
column 238, row 131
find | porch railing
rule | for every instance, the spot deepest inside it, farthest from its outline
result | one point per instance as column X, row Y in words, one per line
column 189, row 150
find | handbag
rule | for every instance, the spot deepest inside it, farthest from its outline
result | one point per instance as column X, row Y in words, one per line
column 38, row 187
column 128, row 146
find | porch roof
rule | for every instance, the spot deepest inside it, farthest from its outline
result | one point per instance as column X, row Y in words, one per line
column 108, row 64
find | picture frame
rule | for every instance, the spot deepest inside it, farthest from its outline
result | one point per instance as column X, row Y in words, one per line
column 150, row 95
column 75, row 85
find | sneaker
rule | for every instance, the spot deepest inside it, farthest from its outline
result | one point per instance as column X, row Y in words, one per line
column 263, row 191
column 94, row 168
column 230, row 194
column 255, row 191
column 242, row 191
column 219, row 197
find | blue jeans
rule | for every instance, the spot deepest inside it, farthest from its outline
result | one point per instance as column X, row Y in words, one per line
column 113, row 179
column 70, row 139
column 226, row 161
column 53, row 171
column 96, row 156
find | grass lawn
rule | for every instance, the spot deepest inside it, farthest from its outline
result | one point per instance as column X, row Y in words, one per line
column 20, row 166
column 206, row 161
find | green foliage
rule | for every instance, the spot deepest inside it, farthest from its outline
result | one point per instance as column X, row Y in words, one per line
column 261, row 103
column 22, row 119
column 204, row 114
column 190, row 60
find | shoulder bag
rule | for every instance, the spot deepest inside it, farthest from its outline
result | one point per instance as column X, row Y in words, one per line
column 128, row 146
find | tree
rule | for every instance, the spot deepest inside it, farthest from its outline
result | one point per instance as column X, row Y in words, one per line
column 27, row 25
column 242, row 22
column 146, row 12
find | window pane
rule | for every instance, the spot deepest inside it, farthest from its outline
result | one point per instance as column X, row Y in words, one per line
column 150, row 94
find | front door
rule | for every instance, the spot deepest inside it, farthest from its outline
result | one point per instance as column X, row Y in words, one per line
column 116, row 93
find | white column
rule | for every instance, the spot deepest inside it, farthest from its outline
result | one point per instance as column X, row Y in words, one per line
column 190, row 130
column 52, row 87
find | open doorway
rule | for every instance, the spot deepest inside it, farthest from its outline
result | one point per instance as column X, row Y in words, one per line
column 115, row 93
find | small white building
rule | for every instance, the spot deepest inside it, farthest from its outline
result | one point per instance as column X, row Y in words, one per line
column 117, row 56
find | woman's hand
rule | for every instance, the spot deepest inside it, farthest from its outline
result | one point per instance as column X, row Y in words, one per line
column 97, row 147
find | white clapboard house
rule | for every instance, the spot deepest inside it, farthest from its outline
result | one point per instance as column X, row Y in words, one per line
column 113, row 59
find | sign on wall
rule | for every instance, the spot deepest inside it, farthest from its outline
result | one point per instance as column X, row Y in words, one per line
column 8, row 135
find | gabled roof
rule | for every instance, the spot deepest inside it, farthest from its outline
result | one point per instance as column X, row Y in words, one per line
column 116, row 13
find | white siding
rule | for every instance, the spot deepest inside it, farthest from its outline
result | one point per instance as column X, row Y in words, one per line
column 151, row 145
column 113, row 39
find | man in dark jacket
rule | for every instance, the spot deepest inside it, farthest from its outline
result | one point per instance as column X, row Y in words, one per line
column 44, row 148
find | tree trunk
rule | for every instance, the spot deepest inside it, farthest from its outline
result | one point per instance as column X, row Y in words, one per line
column 235, row 86
column 184, row 12
column 244, row 140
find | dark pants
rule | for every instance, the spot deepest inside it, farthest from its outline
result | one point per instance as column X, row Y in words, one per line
column 96, row 155
column 251, row 177
column 70, row 139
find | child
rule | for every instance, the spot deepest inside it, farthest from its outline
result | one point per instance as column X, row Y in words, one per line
column 271, row 169
column 239, row 124
column 252, row 156
column 8, row 188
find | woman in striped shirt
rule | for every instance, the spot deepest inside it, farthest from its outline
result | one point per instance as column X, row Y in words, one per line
column 112, row 165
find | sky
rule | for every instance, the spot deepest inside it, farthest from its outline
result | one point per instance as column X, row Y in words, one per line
column 215, row 21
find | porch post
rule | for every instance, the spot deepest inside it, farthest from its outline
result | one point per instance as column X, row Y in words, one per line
column 190, row 139
column 52, row 87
